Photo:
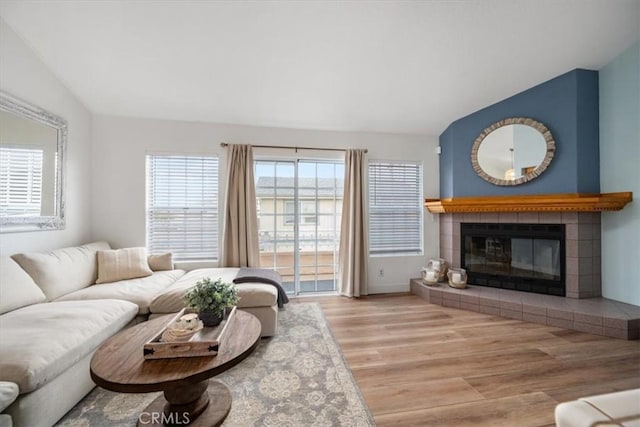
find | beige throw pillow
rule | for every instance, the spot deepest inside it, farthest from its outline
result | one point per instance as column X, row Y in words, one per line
column 122, row 264
column 161, row 262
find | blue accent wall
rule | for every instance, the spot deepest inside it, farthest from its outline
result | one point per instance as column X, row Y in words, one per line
column 567, row 105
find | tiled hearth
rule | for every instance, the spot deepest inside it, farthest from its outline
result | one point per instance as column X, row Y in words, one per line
column 582, row 261
column 594, row 315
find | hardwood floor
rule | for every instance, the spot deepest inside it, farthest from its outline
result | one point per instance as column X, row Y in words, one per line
column 426, row 365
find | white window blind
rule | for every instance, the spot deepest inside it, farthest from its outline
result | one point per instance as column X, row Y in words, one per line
column 20, row 181
column 395, row 208
column 182, row 206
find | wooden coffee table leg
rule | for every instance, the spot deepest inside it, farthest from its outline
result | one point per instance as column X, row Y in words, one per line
column 206, row 403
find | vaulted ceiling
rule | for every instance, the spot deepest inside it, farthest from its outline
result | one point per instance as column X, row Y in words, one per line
column 379, row 66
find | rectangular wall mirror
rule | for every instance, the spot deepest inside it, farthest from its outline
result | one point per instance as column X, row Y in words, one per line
column 32, row 144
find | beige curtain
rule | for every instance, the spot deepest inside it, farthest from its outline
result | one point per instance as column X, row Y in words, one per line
column 240, row 230
column 354, row 239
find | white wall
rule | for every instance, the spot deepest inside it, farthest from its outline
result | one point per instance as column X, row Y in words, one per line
column 619, row 160
column 22, row 74
column 118, row 168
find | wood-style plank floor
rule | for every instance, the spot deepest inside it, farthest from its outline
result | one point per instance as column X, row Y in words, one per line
column 426, row 365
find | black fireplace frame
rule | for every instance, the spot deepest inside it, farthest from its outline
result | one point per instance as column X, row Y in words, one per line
column 532, row 231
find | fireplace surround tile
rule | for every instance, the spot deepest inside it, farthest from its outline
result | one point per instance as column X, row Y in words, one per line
column 489, row 217
column 596, row 247
column 551, row 217
column 572, row 248
column 572, row 266
column 585, row 231
column 447, row 228
column 570, row 217
column 528, row 217
column 585, row 268
column 586, row 282
column 585, row 248
column 572, row 283
column 506, row 217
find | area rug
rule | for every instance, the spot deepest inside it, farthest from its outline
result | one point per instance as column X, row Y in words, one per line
column 297, row 378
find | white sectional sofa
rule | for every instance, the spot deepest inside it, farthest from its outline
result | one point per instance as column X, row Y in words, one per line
column 619, row 409
column 254, row 297
column 53, row 317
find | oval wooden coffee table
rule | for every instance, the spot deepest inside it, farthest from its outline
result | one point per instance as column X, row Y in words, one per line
column 189, row 396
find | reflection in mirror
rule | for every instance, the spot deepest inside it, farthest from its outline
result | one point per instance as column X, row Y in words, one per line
column 512, row 151
column 31, row 149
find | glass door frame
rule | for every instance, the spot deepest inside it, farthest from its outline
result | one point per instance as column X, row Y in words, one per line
column 295, row 161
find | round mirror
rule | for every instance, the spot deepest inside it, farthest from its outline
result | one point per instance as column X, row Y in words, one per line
column 512, row 151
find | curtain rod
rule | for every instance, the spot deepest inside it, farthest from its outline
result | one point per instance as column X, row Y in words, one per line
column 224, row 144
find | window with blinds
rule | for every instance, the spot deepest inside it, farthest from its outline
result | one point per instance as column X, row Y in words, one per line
column 182, row 206
column 20, row 181
column 395, row 208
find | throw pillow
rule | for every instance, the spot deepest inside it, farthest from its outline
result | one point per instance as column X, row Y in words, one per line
column 161, row 262
column 122, row 264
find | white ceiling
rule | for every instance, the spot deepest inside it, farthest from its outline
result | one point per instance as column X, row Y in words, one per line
column 380, row 66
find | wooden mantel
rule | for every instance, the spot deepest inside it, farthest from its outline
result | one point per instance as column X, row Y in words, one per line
column 575, row 202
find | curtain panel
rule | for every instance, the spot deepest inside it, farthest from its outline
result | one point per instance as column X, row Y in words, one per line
column 240, row 230
column 354, row 242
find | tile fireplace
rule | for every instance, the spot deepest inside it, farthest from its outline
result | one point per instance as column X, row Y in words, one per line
column 556, row 253
column 536, row 255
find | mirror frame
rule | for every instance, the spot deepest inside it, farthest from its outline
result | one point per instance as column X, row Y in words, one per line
column 550, row 151
column 17, row 106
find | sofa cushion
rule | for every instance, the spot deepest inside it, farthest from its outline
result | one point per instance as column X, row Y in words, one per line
column 140, row 291
column 8, row 394
column 122, row 264
column 63, row 270
column 161, row 262
column 17, row 288
column 251, row 294
column 39, row 342
column 620, row 408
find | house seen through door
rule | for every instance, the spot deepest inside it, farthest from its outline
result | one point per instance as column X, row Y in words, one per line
column 299, row 204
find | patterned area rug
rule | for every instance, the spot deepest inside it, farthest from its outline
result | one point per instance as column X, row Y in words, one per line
column 297, row 378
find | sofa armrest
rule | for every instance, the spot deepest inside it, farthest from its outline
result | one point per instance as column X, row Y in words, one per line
column 8, row 394
column 621, row 408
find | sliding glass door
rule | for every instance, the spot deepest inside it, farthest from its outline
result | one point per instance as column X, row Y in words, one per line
column 299, row 205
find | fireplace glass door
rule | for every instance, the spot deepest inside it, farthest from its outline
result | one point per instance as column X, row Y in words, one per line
column 526, row 257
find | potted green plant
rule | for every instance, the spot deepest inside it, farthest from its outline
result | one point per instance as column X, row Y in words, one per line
column 210, row 299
